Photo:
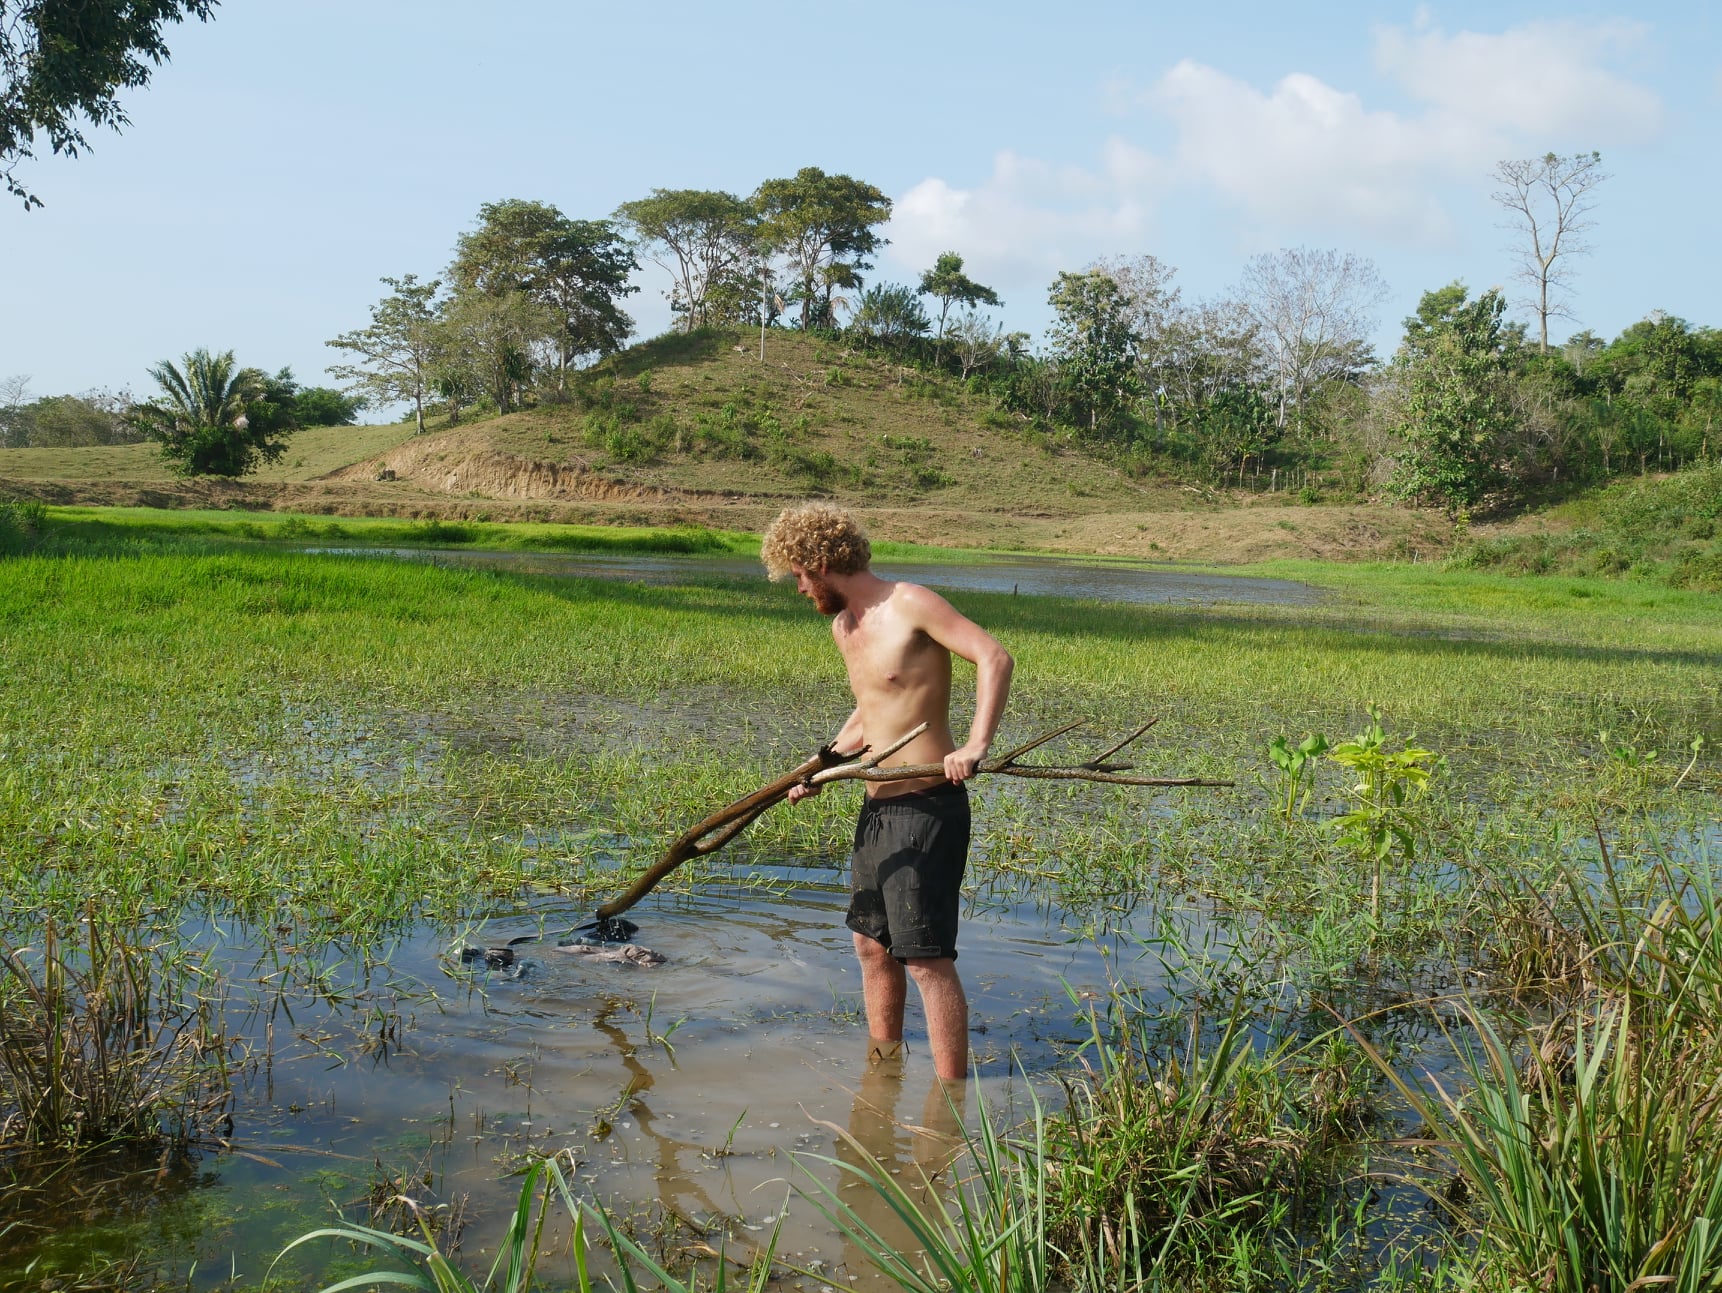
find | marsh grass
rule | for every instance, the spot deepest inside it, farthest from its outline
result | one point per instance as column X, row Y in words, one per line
column 1588, row 1135
column 114, row 529
column 22, row 523
column 1213, row 1166
column 340, row 748
column 105, row 1042
column 423, row 1263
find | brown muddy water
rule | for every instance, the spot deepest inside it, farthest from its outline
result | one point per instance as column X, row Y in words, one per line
column 693, row 1092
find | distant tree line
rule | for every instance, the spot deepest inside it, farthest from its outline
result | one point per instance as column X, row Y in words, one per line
column 532, row 293
column 1276, row 379
column 103, row 417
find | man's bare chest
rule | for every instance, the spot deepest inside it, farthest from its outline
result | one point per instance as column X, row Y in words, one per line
column 888, row 656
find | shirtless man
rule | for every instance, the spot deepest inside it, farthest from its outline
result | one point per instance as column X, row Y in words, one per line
column 912, row 839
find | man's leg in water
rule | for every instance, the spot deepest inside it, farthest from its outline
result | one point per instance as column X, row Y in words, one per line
column 884, row 986
column 947, row 1012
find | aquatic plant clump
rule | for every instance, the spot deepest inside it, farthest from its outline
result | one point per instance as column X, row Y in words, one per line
column 102, row 1043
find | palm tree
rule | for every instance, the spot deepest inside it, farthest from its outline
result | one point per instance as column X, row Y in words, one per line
column 212, row 391
column 202, row 419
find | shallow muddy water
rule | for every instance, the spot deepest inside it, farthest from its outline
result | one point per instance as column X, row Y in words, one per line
column 1028, row 576
column 697, row 1090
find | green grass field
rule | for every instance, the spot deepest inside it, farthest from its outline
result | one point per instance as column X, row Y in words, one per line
column 139, row 675
column 202, row 726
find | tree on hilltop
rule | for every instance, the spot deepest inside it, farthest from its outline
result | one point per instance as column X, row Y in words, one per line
column 946, row 283
column 574, row 270
column 396, row 353
column 824, row 226
column 703, row 238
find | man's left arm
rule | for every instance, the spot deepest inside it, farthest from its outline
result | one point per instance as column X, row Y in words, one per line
column 961, row 636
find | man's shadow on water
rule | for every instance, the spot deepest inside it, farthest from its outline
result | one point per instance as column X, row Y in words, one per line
column 918, row 1158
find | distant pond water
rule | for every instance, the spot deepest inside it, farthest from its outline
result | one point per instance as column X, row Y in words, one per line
column 1028, row 576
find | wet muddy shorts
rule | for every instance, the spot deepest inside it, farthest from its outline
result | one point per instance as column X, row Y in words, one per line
column 906, row 873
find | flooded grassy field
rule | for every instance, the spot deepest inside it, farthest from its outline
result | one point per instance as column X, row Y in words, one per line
column 298, row 785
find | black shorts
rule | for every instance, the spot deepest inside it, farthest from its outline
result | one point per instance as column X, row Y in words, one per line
column 906, row 873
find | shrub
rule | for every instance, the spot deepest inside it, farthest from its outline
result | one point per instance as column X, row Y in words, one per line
column 22, row 523
column 1700, row 570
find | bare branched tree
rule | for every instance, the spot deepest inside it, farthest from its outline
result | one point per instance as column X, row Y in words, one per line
column 1549, row 199
column 1313, row 311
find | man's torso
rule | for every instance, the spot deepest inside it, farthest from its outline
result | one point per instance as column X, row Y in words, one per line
column 901, row 677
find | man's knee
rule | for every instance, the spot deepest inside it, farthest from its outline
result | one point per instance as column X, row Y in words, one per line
column 873, row 952
column 932, row 969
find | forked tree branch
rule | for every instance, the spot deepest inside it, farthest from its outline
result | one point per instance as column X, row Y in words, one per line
column 711, row 834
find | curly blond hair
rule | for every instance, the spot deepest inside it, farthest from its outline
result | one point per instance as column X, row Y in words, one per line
column 815, row 536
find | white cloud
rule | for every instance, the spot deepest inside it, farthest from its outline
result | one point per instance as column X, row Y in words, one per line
column 1303, row 158
column 1029, row 217
column 1542, row 80
column 1305, row 154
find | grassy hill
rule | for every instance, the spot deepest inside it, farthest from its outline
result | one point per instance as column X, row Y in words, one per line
column 698, row 430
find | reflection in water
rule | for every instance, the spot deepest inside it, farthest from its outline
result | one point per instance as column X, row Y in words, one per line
column 917, row 1157
column 84, row 1219
column 677, row 1187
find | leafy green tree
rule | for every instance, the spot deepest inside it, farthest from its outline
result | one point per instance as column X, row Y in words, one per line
column 62, row 63
column 319, row 406
column 1436, row 309
column 1659, row 360
column 946, row 283
column 214, row 418
column 396, row 352
column 1458, row 399
column 890, row 313
column 701, row 237
column 824, row 226
column 575, row 271
column 1094, row 346
column 70, row 421
column 485, row 343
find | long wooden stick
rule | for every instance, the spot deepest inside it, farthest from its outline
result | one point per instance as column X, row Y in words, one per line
column 712, row 833
column 731, row 820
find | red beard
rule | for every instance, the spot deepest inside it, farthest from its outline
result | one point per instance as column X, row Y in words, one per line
column 826, row 599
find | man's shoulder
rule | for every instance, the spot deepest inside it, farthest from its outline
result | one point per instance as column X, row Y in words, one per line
column 922, row 607
column 905, row 593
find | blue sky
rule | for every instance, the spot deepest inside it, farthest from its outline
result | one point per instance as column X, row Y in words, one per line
column 293, row 152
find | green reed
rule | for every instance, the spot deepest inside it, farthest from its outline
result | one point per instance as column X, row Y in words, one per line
column 106, row 1041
